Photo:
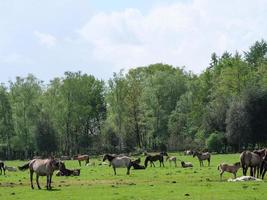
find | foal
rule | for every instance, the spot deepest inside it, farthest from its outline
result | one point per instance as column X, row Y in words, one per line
column 229, row 168
column 157, row 157
column 171, row 159
column 202, row 156
column 2, row 166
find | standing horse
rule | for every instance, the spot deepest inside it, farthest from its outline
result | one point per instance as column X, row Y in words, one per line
column 118, row 162
column 2, row 166
column 172, row 159
column 202, row 156
column 157, row 157
column 42, row 167
column 263, row 166
column 81, row 158
column 252, row 160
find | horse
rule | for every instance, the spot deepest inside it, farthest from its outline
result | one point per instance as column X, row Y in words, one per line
column 81, row 158
column 136, row 164
column 263, row 167
column 42, row 167
column 186, row 164
column 153, row 158
column 2, row 167
column 188, row 152
column 171, row 159
column 252, row 160
column 229, row 168
column 118, row 162
column 202, row 156
column 68, row 172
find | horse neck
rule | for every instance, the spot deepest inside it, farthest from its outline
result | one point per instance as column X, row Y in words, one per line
column 110, row 157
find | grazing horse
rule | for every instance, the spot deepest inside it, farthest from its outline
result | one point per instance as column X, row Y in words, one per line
column 2, row 166
column 118, row 162
column 202, row 156
column 157, row 157
column 229, row 168
column 252, row 160
column 42, row 167
column 81, row 158
column 171, row 159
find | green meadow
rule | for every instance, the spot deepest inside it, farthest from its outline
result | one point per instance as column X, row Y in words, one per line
column 166, row 183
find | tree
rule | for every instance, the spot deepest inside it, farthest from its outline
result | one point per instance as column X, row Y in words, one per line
column 45, row 136
column 6, row 121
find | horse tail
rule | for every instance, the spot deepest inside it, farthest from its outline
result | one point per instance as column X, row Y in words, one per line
column 24, row 167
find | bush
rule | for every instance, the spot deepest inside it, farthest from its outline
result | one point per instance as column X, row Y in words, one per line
column 215, row 142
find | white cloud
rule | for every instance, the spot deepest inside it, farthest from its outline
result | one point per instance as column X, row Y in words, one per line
column 45, row 39
column 184, row 33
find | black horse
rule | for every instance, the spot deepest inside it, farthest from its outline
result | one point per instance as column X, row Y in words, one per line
column 157, row 157
column 2, row 166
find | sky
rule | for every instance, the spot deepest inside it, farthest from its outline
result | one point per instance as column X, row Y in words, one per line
column 99, row 37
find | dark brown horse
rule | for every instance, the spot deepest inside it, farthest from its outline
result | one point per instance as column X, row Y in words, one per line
column 263, row 166
column 252, row 160
column 202, row 156
column 81, row 158
column 2, row 167
column 42, row 167
column 158, row 157
column 68, row 172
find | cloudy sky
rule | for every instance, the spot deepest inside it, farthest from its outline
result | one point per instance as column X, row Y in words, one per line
column 99, row 37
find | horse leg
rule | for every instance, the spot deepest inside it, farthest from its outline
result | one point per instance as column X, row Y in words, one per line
column 128, row 170
column 234, row 174
column 263, row 173
column 79, row 162
column 37, row 181
column 251, row 171
column 221, row 174
column 31, row 176
column 47, row 182
column 209, row 161
column 50, row 181
column 163, row 163
column 114, row 170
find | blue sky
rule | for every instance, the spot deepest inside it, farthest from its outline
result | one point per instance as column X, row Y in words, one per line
column 48, row 37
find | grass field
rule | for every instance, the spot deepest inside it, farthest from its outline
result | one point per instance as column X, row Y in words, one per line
column 166, row 183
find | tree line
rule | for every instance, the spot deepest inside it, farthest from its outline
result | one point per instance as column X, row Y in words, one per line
column 155, row 107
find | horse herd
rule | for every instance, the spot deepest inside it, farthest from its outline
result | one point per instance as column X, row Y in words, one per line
column 256, row 161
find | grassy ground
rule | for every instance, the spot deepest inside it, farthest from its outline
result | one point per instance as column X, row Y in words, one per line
column 98, row 182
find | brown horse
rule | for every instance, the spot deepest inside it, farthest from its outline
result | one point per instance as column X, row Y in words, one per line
column 229, row 168
column 2, row 166
column 42, row 167
column 202, row 156
column 263, row 167
column 157, row 157
column 252, row 160
column 81, row 158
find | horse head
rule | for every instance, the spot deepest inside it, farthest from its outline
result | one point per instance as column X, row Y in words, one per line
column 164, row 153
